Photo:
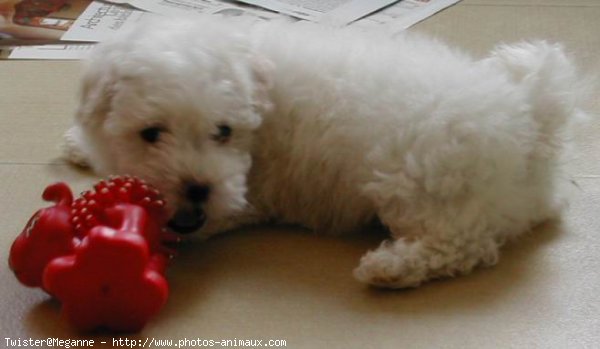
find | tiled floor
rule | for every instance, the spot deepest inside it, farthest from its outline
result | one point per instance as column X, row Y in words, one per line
column 279, row 283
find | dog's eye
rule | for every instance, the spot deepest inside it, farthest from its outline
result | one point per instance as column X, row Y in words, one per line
column 223, row 133
column 151, row 134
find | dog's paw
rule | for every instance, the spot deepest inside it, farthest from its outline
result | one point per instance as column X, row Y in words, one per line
column 71, row 148
column 395, row 264
column 402, row 263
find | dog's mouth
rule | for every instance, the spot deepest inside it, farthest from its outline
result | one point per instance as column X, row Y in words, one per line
column 187, row 220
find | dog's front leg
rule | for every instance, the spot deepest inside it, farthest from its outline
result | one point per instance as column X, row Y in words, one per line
column 73, row 148
column 248, row 217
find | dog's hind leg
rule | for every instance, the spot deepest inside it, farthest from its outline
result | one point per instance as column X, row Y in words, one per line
column 433, row 235
column 447, row 212
column 450, row 225
column 406, row 262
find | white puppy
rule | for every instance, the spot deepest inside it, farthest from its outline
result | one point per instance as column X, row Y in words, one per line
column 240, row 122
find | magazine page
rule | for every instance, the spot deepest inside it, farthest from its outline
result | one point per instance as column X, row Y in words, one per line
column 51, row 52
column 410, row 12
column 187, row 7
column 397, row 15
column 72, row 24
column 101, row 20
column 95, row 21
column 336, row 12
column 36, row 22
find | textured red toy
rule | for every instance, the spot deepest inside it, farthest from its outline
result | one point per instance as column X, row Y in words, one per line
column 90, row 209
column 100, row 255
column 47, row 235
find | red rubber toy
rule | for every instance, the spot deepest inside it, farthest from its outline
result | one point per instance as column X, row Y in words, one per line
column 100, row 255
column 47, row 235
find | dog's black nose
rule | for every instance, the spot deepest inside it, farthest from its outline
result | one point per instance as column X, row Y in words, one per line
column 186, row 221
column 197, row 193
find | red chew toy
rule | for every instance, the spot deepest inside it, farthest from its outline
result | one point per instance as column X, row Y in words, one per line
column 100, row 255
column 47, row 235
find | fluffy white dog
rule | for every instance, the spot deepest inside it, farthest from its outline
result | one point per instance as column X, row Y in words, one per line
column 240, row 122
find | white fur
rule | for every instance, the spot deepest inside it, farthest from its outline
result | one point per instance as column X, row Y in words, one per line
column 333, row 129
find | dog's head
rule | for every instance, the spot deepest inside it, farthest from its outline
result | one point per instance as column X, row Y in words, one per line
column 177, row 103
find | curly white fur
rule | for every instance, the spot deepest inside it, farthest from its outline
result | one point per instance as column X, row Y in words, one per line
column 335, row 128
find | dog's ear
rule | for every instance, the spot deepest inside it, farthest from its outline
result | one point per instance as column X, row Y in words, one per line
column 262, row 73
column 95, row 95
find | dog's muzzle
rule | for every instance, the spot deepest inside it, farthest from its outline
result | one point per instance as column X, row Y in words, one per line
column 187, row 220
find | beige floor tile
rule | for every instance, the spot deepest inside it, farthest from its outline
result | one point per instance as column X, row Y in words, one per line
column 478, row 28
column 37, row 99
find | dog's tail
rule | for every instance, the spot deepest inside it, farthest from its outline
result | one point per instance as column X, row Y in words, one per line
column 550, row 81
